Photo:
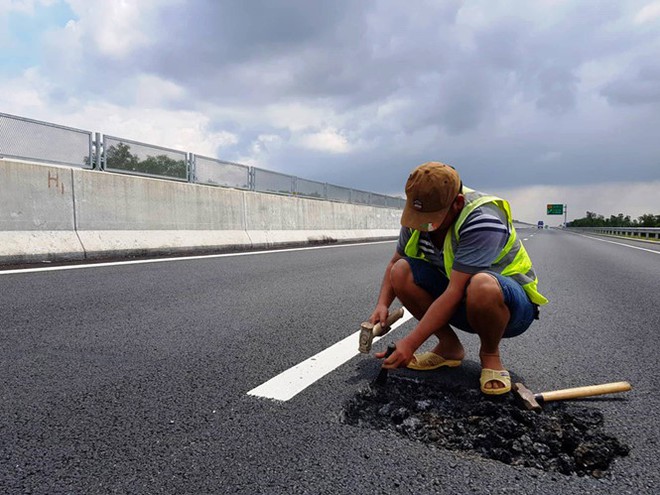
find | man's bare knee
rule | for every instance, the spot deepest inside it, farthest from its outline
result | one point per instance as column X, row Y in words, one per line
column 484, row 291
column 413, row 297
column 401, row 275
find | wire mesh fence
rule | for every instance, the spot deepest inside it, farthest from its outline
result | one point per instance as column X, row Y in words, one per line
column 309, row 188
column 338, row 193
column 29, row 139
column 122, row 155
column 32, row 140
column 214, row 172
column 272, row 182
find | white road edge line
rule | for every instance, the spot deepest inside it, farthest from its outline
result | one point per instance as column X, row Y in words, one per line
column 291, row 382
column 619, row 244
column 181, row 258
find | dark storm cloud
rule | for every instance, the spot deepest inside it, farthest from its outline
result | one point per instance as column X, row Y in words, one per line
column 256, row 49
column 479, row 85
column 639, row 88
column 354, row 52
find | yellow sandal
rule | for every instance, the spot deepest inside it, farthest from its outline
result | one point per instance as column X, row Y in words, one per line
column 427, row 361
column 489, row 375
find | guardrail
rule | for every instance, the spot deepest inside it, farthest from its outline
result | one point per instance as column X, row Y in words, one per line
column 643, row 232
column 27, row 139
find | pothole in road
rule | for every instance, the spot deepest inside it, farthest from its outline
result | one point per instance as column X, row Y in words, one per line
column 564, row 437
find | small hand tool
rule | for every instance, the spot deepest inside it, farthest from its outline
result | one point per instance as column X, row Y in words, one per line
column 533, row 401
column 382, row 374
column 368, row 330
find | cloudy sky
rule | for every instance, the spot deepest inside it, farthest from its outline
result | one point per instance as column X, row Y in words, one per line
column 543, row 101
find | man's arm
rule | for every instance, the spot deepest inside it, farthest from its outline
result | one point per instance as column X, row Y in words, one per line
column 437, row 316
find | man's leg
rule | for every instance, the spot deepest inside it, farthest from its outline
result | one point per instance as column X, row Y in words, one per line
column 488, row 315
column 417, row 301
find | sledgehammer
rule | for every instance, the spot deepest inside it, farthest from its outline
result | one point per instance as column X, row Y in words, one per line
column 368, row 330
column 533, row 401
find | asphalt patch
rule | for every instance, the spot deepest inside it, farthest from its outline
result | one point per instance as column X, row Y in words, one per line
column 564, row 437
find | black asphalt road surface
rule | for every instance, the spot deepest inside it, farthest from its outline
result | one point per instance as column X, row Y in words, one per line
column 134, row 378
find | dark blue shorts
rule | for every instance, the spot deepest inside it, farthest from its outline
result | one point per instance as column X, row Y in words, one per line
column 523, row 311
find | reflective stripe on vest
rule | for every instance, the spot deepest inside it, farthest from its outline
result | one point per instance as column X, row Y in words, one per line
column 513, row 261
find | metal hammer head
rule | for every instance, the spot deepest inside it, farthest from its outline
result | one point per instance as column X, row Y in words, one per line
column 527, row 397
column 366, row 337
column 369, row 330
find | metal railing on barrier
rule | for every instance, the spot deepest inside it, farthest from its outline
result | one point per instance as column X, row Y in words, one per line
column 132, row 157
column 23, row 138
column 27, row 139
column 272, row 182
column 310, row 188
column 214, row 172
column 643, row 232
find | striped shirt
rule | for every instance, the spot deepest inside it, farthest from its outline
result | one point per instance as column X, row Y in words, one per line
column 482, row 237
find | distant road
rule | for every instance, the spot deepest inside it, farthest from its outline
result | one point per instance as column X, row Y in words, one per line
column 134, row 378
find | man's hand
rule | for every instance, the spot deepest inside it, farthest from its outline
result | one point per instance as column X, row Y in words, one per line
column 400, row 357
column 380, row 314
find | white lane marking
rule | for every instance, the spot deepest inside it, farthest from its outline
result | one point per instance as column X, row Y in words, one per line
column 525, row 239
column 291, row 382
column 619, row 244
column 180, row 258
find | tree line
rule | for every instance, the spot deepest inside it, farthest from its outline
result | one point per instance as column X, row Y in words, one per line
column 119, row 157
column 595, row 220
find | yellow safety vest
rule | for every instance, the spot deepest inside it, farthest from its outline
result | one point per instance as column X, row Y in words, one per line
column 513, row 261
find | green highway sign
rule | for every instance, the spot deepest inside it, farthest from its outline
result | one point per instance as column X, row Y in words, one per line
column 555, row 209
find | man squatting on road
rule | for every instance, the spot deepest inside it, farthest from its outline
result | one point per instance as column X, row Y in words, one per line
column 458, row 262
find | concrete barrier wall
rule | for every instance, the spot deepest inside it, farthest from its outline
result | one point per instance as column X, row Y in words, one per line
column 36, row 213
column 59, row 213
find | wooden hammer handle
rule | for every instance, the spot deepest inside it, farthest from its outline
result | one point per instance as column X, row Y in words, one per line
column 588, row 391
column 394, row 316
